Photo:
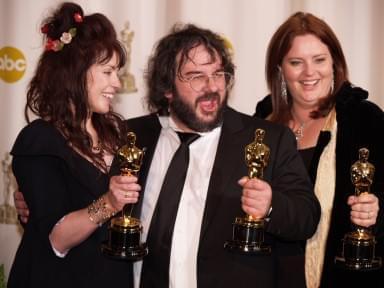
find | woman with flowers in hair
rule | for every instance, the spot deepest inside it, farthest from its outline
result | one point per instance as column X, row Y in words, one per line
column 61, row 160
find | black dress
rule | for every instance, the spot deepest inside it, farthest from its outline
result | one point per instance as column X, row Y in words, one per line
column 55, row 181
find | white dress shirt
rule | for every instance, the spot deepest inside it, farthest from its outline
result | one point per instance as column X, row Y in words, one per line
column 186, row 234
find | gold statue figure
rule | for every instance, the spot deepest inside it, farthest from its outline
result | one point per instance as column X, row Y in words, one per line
column 362, row 173
column 130, row 157
column 257, row 155
column 126, row 77
column 248, row 231
column 8, row 214
column 124, row 232
column 358, row 251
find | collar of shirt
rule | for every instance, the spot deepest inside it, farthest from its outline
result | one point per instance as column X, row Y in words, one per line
column 185, row 241
column 167, row 122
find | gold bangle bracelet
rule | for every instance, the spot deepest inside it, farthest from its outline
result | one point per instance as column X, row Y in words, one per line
column 98, row 211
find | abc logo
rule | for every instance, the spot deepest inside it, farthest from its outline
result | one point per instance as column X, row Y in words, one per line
column 12, row 64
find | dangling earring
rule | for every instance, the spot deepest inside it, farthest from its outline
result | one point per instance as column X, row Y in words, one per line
column 283, row 87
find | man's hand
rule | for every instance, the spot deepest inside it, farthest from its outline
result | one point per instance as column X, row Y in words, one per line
column 257, row 197
column 21, row 206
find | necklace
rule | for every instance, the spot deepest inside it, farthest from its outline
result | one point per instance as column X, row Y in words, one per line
column 299, row 132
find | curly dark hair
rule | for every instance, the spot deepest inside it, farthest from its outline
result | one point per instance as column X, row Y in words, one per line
column 58, row 90
column 164, row 65
column 299, row 24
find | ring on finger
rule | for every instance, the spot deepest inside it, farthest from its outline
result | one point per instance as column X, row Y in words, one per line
column 369, row 215
column 126, row 195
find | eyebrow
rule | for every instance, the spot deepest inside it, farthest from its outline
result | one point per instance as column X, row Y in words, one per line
column 111, row 66
column 194, row 72
column 317, row 55
column 322, row 54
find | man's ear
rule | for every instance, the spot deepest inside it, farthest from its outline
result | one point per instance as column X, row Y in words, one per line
column 169, row 95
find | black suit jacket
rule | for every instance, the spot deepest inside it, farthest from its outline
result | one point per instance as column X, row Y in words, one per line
column 295, row 208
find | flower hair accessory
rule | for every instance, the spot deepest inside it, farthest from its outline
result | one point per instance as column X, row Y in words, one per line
column 65, row 38
column 58, row 44
column 78, row 18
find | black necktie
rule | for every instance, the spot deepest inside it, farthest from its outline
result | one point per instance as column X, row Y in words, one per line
column 155, row 271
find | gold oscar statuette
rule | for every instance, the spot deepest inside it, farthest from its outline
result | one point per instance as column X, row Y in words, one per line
column 248, row 232
column 358, row 251
column 8, row 214
column 126, row 77
column 124, row 232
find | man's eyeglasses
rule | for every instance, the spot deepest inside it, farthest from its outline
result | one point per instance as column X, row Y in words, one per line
column 198, row 82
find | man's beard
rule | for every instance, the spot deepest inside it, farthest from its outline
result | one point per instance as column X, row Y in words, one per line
column 186, row 114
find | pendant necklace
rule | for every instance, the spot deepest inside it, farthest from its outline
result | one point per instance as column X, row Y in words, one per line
column 299, row 132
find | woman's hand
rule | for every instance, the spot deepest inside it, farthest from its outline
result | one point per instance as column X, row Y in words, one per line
column 122, row 190
column 364, row 209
